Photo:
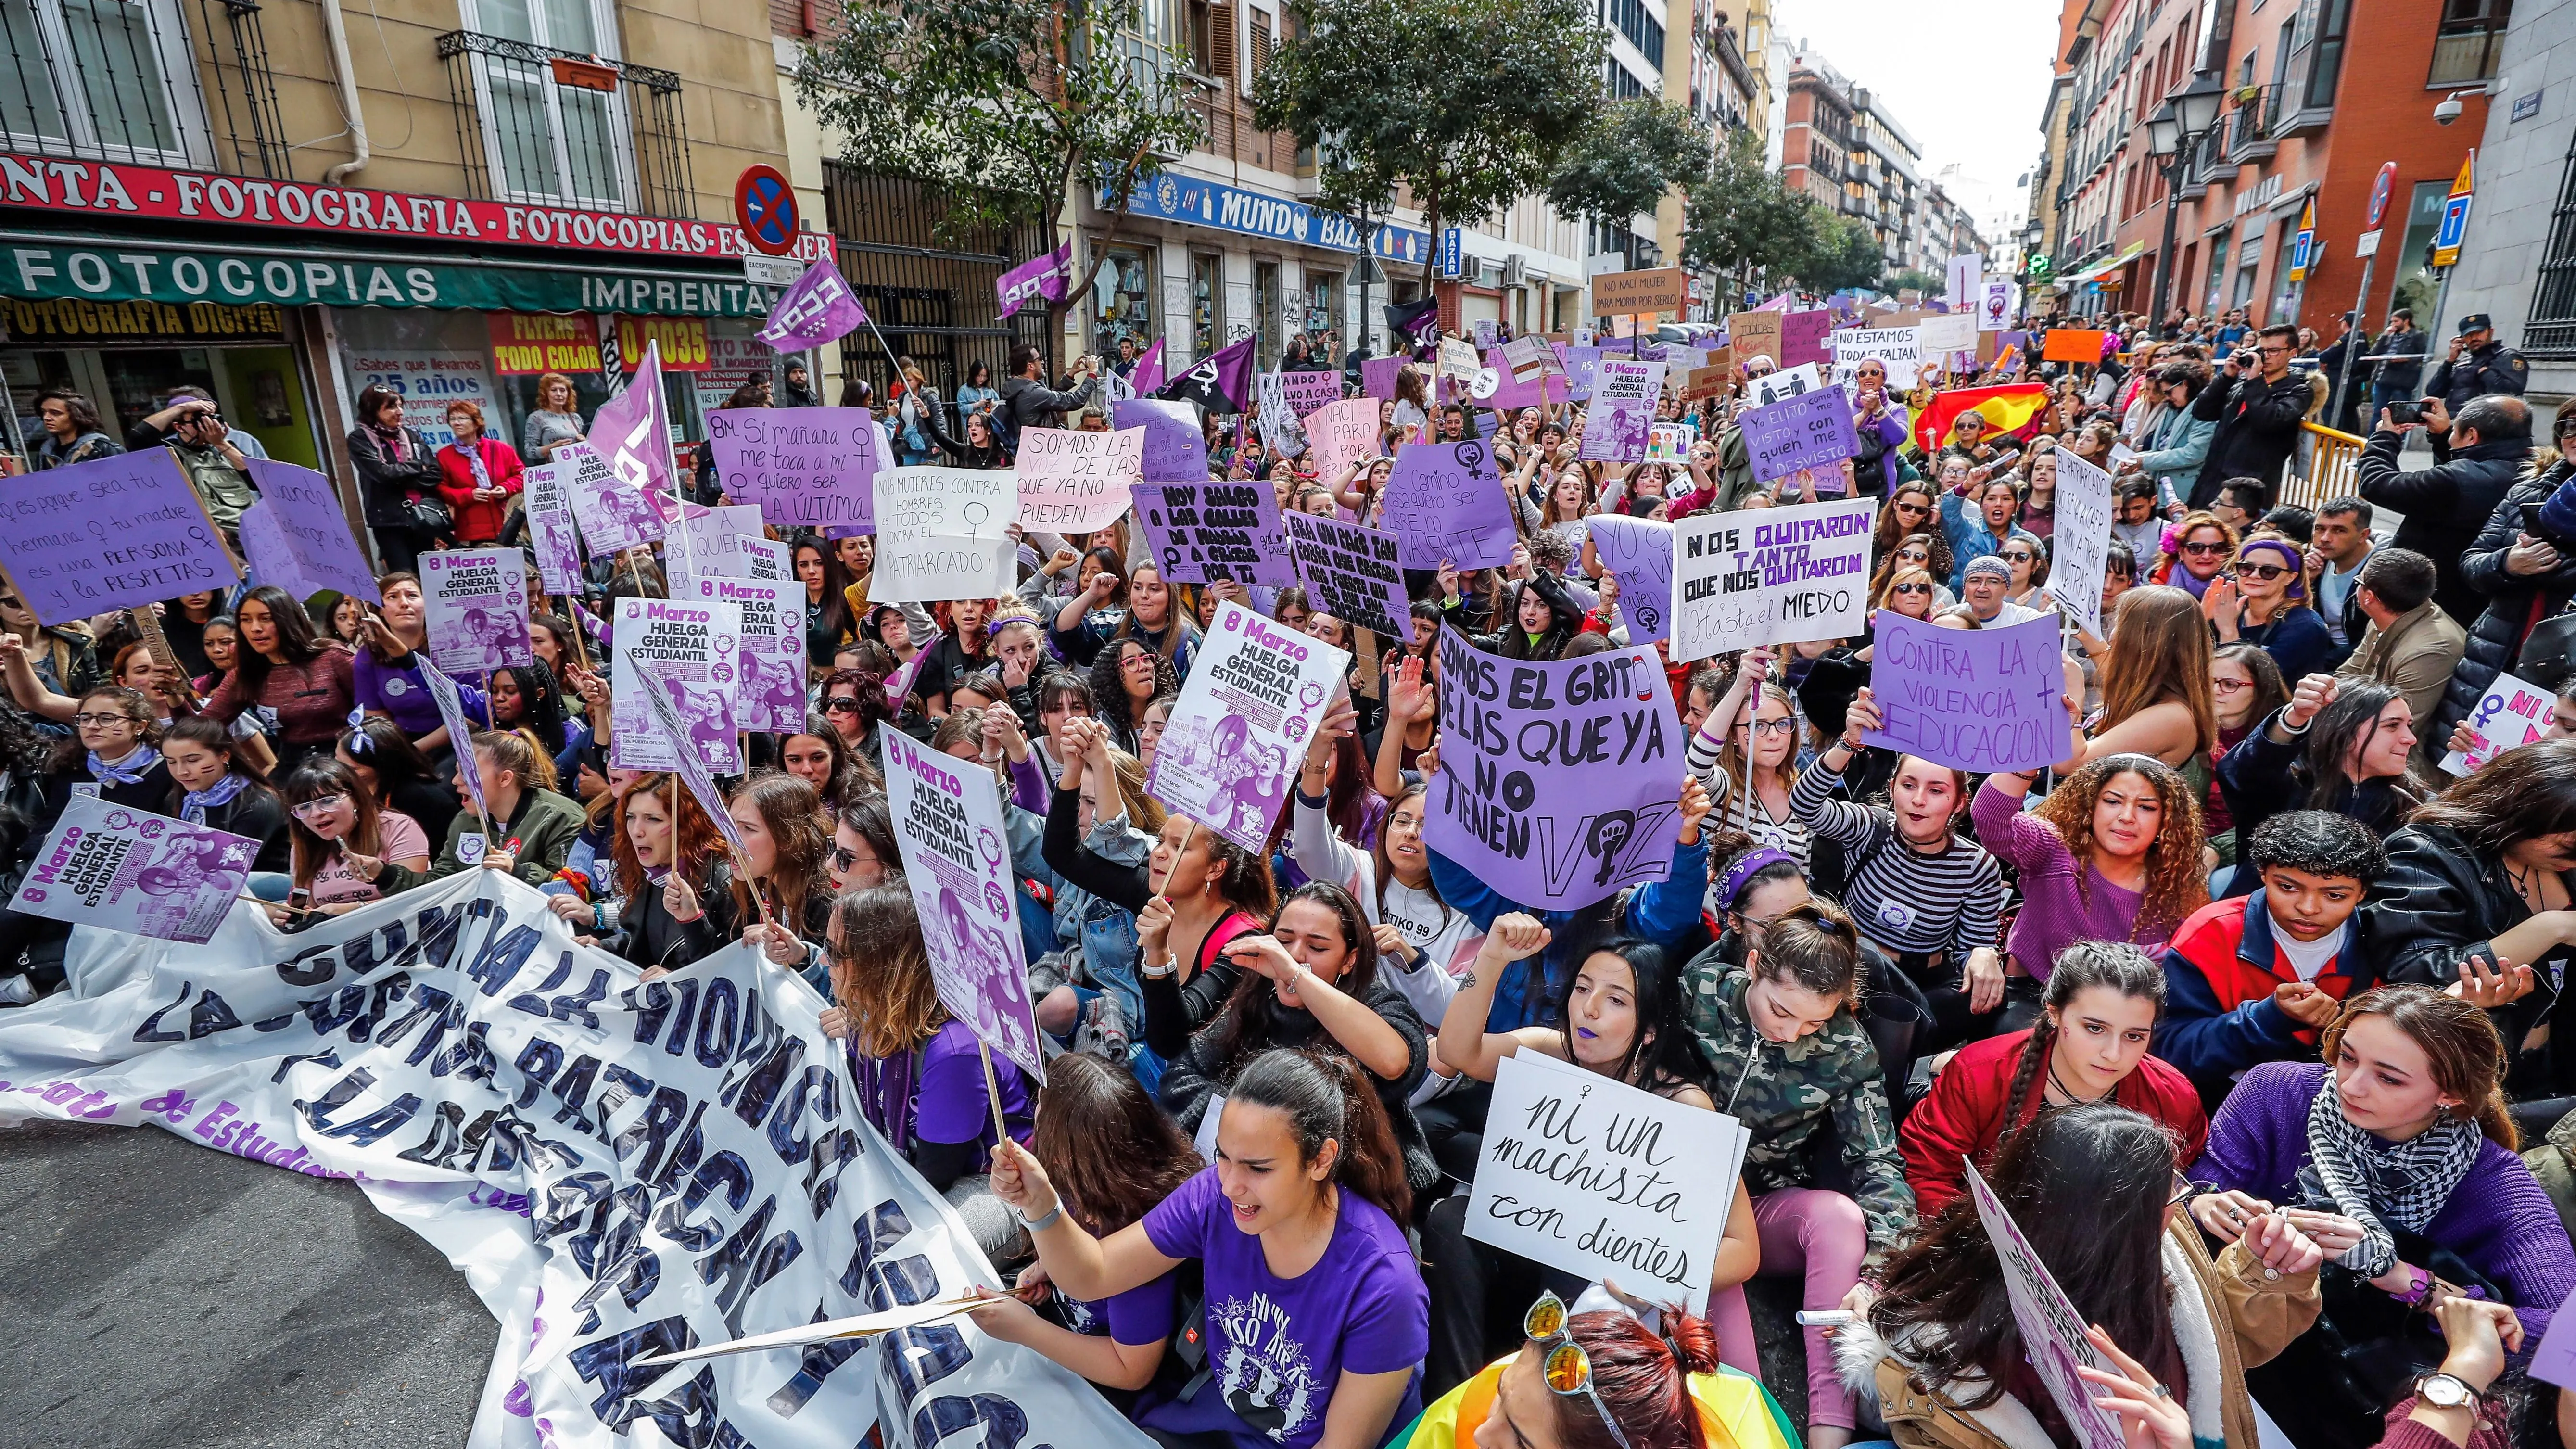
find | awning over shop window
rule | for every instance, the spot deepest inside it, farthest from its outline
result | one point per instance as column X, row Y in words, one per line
column 2099, row 270
column 38, row 270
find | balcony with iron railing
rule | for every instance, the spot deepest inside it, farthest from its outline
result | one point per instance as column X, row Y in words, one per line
column 180, row 83
column 2250, row 124
column 551, row 127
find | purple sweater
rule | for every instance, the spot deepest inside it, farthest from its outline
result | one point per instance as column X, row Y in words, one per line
column 2498, row 1220
column 2061, row 902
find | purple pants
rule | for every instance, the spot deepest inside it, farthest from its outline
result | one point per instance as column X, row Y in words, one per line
column 1822, row 1235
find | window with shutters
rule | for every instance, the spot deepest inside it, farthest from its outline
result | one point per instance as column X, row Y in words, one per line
column 1264, row 43
column 1212, row 37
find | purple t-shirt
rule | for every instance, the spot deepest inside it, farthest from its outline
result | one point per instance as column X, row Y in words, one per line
column 949, row 1104
column 1278, row 1346
column 404, row 696
column 1137, row 1316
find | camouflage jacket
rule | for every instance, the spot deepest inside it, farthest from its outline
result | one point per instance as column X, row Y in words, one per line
column 1785, row 1096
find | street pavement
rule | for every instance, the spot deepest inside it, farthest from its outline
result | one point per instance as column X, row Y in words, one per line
column 160, row 1295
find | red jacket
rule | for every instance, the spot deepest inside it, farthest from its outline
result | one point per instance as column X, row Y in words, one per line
column 478, row 522
column 1963, row 1116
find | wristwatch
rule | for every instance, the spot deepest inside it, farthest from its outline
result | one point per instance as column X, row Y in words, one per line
column 2447, row 1391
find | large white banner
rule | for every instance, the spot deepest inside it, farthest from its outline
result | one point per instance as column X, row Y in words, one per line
column 1770, row 576
column 619, row 1168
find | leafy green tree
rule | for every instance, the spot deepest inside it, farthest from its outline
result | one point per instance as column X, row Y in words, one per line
column 1624, row 163
column 1003, row 107
column 1461, row 102
column 1845, row 254
column 1740, row 218
column 1913, row 279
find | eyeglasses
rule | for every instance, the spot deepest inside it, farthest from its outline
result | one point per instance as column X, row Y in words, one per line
column 1567, row 1367
column 1774, row 726
column 843, row 857
column 2284, row 347
column 2230, row 686
column 102, row 721
column 319, row 806
column 2264, row 572
column 1912, row 589
column 2204, row 548
column 2020, row 555
column 841, row 704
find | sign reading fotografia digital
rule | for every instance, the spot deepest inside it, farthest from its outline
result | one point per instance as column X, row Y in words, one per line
column 1172, row 197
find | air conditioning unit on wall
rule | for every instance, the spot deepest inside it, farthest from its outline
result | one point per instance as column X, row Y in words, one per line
column 1515, row 271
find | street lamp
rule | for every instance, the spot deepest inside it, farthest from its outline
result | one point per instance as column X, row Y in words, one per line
column 2174, row 132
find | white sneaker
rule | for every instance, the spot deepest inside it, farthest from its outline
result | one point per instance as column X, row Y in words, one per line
column 17, row 991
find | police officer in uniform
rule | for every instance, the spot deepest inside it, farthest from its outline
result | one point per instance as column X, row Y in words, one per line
column 2488, row 367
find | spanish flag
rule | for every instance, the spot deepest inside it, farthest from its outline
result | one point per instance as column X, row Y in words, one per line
column 2009, row 409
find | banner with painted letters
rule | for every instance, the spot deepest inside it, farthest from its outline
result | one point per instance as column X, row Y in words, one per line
column 623, row 1168
column 1770, row 576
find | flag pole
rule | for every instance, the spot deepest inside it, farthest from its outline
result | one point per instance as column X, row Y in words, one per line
column 992, row 1094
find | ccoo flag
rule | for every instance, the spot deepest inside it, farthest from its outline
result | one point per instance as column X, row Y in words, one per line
column 820, row 309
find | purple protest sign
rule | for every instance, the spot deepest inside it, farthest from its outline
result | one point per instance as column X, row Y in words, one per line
column 1510, row 390
column 1307, row 391
column 660, row 691
column 1211, row 532
column 552, row 536
column 297, row 537
column 772, row 694
column 1444, row 503
column 448, row 695
column 135, row 871
column 1377, row 375
column 1810, row 430
column 612, row 516
column 2052, row 1332
column 1242, row 724
column 1175, row 444
column 89, row 537
column 475, row 606
column 1559, row 783
column 1806, row 337
column 819, row 309
column 803, row 467
column 632, row 431
column 1037, row 277
column 1978, row 700
column 948, row 829
column 2554, row 1362
column 1638, row 552
column 1351, row 573
column 694, row 649
column 1623, row 409
column 1582, row 366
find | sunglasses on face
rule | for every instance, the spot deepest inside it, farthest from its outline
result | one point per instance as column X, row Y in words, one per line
column 841, row 704
column 1916, row 509
column 2264, row 572
column 1913, row 588
column 843, row 858
column 2020, row 556
column 2204, row 548
column 1914, row 555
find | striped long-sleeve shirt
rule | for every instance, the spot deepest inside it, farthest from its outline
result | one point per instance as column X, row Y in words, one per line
column 1900, row 897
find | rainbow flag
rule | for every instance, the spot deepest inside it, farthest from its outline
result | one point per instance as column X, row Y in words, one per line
column 2008, row 410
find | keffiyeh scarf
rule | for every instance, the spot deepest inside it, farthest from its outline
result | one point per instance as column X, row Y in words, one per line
column 2376, row 1183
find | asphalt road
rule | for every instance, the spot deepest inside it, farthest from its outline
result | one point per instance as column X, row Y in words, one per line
column 158, row 1295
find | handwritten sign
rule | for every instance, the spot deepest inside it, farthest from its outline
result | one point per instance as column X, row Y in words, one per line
column 1075, row 482
column 1638, row 552
column 1901, row 348
column 1771, row 576
column 1242, row 724
column 940, row 535
column 131, row 870
column 90, row 537
column 1754, row 334
column 1343, row 433
column 801, row 467
column 1583, row 1172
column 948, row 829
column 2081, row 542
column 1175, row 444
column 1803, row 337
column 1582, row 369
column 1352, row 573
column 1979, row 700
column 476, row 607
column 1444, row 503
column 1307, row 391
column 1623, row 408
column 1529, row 358
column 693, row 647
column 2511, row 713
column 1713, row 380
column 1630, row 293
column 297, row 537
column 1942, row 335
column 1809, row 430
column 1558, row 782
column 1377, row 376
column 1210, row 532
column 2052, row 1332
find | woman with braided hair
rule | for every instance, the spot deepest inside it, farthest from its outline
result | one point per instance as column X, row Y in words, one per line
column 2089, row 1045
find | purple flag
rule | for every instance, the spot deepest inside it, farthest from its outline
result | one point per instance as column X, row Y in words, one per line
column 820, row 308
column 297, row 538
column 1148, row 376
column 1979, row 700
column 1221, row 382
column 1444, row 503
column 1559, row 782
column 632, row 430
column 1036, row 277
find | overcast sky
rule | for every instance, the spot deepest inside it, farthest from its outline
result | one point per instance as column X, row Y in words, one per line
column 1966, row 82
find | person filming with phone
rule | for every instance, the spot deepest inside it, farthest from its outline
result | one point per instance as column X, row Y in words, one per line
column 2257, row 401
column 2477, row 455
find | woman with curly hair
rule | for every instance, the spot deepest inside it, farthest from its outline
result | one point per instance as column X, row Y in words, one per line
column 1125, row 677
column 2113, row 854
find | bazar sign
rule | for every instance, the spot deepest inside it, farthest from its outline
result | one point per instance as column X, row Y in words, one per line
column 1170, row 197
column 95, row 188
column 155, row 274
